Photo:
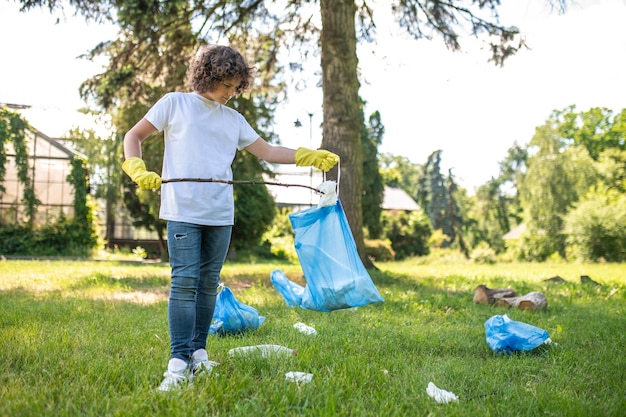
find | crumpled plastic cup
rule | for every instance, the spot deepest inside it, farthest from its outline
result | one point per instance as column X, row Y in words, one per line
column 299, row 377
column 440, row 395
column 303, row 328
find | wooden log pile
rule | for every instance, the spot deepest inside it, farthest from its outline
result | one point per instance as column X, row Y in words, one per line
column 507, row 297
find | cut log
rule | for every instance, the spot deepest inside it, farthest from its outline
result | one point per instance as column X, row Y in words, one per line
column 586, row 279
column 484, row 295
column 531, row 301
column 557, row 279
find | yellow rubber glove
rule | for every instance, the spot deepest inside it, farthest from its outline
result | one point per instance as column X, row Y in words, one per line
column 136, row 170
column 320, row 158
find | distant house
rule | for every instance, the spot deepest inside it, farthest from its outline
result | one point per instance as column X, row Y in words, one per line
column 396, row 199
column 294, row 194
column 515, row 232
column 50, row 165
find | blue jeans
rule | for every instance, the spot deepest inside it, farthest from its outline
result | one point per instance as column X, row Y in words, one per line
column 197, row 254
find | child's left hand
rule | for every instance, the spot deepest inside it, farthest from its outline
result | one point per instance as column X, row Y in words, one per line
column 319, row 158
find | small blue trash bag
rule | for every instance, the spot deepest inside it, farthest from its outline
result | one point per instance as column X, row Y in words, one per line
column 233, row 317
column 506, row 335
column 334, row 274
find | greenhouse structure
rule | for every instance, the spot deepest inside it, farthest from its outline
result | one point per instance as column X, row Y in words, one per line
column 49, row 165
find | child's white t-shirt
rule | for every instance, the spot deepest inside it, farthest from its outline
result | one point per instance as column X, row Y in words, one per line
column 201, row 140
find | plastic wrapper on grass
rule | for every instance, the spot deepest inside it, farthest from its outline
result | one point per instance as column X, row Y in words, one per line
column 440, row 395
column 299, row 377
column 506, row 335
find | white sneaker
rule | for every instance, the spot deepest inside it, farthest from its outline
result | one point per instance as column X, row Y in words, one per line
column 200, row 363
column 176, row 374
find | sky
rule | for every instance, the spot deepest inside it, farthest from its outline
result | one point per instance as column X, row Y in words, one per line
column 429, row 98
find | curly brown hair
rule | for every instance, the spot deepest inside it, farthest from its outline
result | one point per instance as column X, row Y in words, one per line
column 216, row 63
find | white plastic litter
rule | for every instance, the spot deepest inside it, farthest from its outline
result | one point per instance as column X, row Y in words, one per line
column 440, row 395
column 265, row 351
column 550, row 342
column 300, row 377
column 329, row 198
column 303, row 328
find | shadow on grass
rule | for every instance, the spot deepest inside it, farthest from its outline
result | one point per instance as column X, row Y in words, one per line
column 131, row 283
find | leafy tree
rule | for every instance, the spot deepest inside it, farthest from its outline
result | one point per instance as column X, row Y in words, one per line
column 82, row 228
column 104, row 157
column 399, row 171
column 468, row 230
column 611, row 167
column 495, row 209
column 453, row 221
column 157, row 37
column 513, row 167
column 489, row 216
column 373, row 187
column 595, row 227
column 558, row 174
column 596, row 129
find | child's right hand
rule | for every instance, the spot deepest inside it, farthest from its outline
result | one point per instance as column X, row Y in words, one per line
column 320, row 158
column 136, row 170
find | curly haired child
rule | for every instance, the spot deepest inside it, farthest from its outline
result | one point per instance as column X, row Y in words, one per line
column 202, row 136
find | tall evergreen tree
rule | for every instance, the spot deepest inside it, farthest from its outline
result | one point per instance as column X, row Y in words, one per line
column 432, row 195
column 453, row 216
column 436, row 195
column 373, row 187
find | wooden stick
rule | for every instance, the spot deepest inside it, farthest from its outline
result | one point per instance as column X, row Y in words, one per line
column 252, row 182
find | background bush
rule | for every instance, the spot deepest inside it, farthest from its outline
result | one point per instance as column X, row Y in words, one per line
column 379, row 250
column 407, row 232
column 596, row 230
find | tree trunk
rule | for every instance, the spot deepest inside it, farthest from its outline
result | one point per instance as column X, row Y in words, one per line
column 343, row 117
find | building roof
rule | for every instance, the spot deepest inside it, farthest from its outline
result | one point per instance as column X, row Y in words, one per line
column 515, row 232
column 299, row 195
column 397, row 199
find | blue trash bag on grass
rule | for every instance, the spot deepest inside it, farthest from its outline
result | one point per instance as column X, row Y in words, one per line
column 506, row 335
column 334, row 274
column 232, row 316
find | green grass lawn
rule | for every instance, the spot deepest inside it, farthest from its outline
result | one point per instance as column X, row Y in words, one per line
column 91, row 339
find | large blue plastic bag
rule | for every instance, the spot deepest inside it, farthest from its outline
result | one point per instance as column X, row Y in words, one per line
column 292, row 292
column 506, row 335
column 232, row 316
column 334, row 274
